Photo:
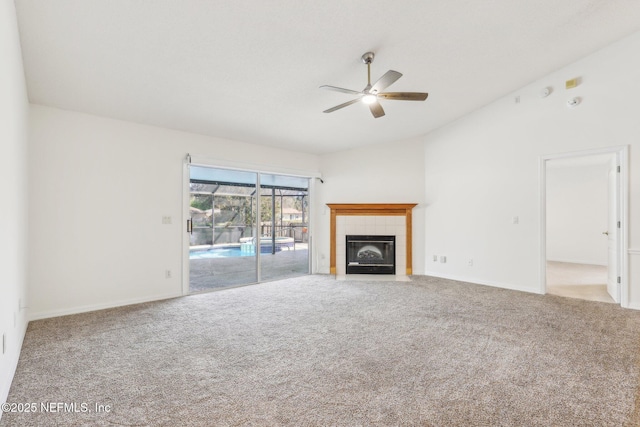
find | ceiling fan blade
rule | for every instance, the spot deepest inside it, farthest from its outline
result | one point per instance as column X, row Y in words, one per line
column 404, row 96
column 376, row 109
column 340, row 89
column 346, row 104
column 385, row 81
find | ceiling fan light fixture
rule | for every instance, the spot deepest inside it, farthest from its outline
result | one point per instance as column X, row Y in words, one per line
column 369, row 99
column 370, row 94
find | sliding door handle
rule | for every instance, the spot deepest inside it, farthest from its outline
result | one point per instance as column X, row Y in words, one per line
column 190, row 226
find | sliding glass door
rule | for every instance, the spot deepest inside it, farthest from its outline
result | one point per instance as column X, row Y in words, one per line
column 284, row 226
column 223, row 223
column 245, row 227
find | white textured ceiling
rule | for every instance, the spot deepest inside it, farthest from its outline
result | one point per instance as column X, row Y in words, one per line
column 250, row 69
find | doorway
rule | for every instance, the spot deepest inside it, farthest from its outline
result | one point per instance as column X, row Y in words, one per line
column 582, row 234
column 245, row 227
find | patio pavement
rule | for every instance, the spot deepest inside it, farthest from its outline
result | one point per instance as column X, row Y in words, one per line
column 216, row 273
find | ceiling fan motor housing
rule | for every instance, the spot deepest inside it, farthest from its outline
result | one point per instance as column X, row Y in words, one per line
column 367, row 58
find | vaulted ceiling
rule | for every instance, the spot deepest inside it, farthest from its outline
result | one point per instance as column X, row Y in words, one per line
column 250, row 70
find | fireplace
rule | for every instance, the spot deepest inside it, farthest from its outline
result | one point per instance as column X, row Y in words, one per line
column 371, row 254
column 372, row 219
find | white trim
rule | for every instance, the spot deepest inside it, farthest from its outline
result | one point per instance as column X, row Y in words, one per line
column 474, row 281
column 94, row 307
column 591, row 152
column 208, row 161
column 256, row 230
column 311, row 191
column 542, row 178
column 574, row 261
column 633, row 251
column 624, row 221
column 622, row 154
column 183, row 226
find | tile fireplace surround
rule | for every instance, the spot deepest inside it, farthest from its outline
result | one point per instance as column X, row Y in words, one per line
column 371, row 218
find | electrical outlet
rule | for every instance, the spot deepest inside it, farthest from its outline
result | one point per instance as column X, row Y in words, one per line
column 166, row 220
column 471, row 263
column 435, row 258
column 167, row 274
column 443, row 259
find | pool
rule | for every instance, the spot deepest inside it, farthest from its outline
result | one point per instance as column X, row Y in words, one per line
column 217, row 253
column 226, row 252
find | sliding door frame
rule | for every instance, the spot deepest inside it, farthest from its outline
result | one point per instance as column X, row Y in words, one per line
column 205, row 161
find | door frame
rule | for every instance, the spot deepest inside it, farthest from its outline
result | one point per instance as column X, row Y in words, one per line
column 212, row 162
column 622, row 185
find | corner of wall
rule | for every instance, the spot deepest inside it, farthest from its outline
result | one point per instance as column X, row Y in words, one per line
column 14, row 111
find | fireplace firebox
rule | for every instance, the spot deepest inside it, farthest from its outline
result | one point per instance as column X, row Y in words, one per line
column 371, row 254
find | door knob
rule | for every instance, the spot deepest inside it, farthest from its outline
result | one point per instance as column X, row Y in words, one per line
column 605, row 232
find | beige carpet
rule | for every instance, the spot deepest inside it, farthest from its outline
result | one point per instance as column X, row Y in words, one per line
column 314, row 351
column 583, row 281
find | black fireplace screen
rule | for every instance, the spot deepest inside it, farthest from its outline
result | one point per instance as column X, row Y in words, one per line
column 371, row 254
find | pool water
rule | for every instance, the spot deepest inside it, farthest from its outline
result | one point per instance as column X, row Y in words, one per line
column 218, row 253
column 232, row 251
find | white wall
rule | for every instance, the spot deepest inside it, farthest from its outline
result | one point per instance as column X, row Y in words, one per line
column 387, row 173
column 577, row 213
column 13, row 186
column 98, row 190
column 100, row 187
column 483, row 169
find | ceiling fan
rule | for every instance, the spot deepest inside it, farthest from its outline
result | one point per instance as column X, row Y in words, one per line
column 371, row 93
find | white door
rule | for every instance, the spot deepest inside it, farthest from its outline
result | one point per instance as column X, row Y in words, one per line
column 613, row 288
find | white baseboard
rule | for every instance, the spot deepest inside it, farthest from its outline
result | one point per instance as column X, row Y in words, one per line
column 476, row 281
column 94, row 307
column 633, row 306
column 576, row 261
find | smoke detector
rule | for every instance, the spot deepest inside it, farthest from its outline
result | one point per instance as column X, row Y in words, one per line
column 573, row 102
